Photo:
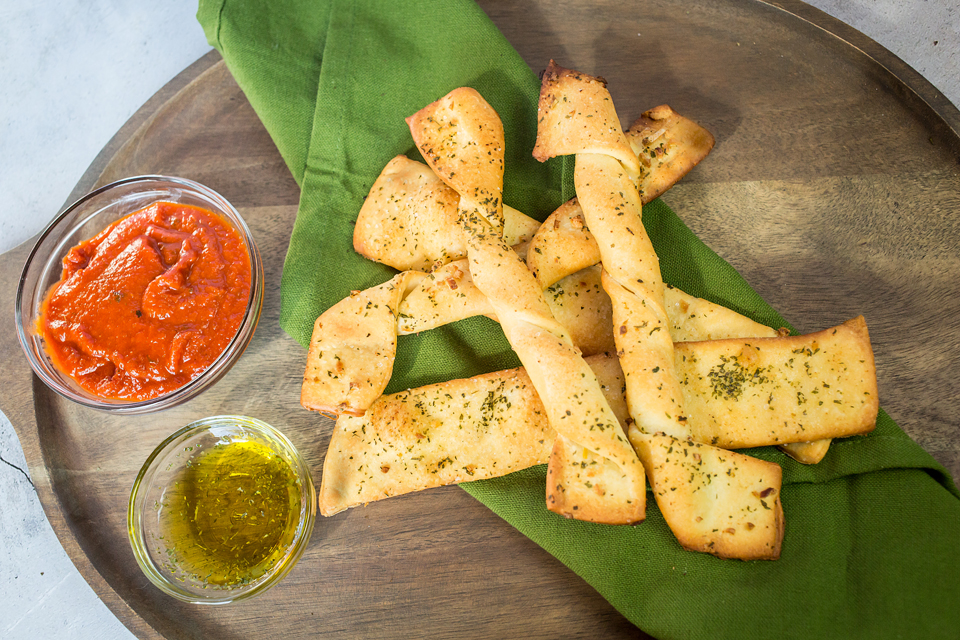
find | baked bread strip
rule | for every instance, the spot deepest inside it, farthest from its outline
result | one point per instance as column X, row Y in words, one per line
column 668, row 146
column 577, row 116
column 580, row 484
column 441, row 434
column 409, row 219
column 495, row 424
column 351, row 352
column 807, row 452
column 607, row 193
column 694, row 319
column 714, row 501
column 820, row 385
column 461, row 138
column 563, row 243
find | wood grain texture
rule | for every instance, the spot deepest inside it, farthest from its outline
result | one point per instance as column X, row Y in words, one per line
column 833, row 189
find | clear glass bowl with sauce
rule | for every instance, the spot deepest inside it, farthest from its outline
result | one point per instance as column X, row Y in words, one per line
column 83, row 220
column 221, row 511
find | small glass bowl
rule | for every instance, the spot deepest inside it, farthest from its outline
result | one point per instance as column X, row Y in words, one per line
column 164, row 480
column 84, row 219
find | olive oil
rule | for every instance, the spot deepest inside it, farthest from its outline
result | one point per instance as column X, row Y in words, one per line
column 231, row 515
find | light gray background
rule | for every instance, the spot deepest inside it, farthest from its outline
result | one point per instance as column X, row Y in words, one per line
column 71, row 74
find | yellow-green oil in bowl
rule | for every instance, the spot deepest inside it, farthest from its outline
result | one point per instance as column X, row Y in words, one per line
column 233, row 514
column 222, row 511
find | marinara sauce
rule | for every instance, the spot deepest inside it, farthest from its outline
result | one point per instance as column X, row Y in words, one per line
column 149, row 303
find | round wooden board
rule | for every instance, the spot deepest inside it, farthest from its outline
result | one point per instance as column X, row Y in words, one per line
column 832, row 189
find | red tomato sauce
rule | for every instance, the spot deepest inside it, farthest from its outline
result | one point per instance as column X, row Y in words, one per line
column 149, row 303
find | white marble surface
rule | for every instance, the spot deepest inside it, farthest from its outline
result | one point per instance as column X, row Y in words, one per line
column 72, row 73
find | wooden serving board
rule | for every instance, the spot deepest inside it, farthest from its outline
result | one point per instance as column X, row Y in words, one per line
column 833, row 188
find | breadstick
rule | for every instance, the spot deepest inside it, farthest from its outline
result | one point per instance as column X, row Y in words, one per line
column 495, row 424
column 668, row 146
column 810, row 452
column 605, row 174
column 436, row 435
column 715, row 501
column 461, row 138
column 409, row 219
column 351, row 353
column 563, row 242
column 748, row 392
column 576, row 115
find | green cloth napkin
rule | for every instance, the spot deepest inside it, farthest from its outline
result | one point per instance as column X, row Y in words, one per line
column 872, row 544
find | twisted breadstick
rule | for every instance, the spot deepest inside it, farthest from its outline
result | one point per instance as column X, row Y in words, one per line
column 409, row 219
column 563, row 244
column 354, row 343
column 576, row 115
column 605, row 175
column 461, row 138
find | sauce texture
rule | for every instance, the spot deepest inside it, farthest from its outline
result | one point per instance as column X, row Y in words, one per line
column 149, row 303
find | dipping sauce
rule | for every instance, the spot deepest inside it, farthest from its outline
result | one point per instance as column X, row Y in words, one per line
column 149, row 303
column 231, row 515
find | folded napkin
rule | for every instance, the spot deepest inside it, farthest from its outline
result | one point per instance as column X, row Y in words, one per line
column 872, row 544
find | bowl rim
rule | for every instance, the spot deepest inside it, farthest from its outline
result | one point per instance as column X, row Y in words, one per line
column 217, row 369
column 298, row 545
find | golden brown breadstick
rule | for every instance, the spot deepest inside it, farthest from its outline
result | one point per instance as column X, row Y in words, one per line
column 748, row 392
column 495, row 424
column 607, row 194
column 436, row 435
column 461, row 138
column 715, row 501
column 576, row 115
column 668, row 146
column 810, row 452
column 354, row 342
column 409, row 219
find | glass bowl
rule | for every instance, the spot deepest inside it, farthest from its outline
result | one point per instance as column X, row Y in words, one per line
column 84, row 219
column 221, row 511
